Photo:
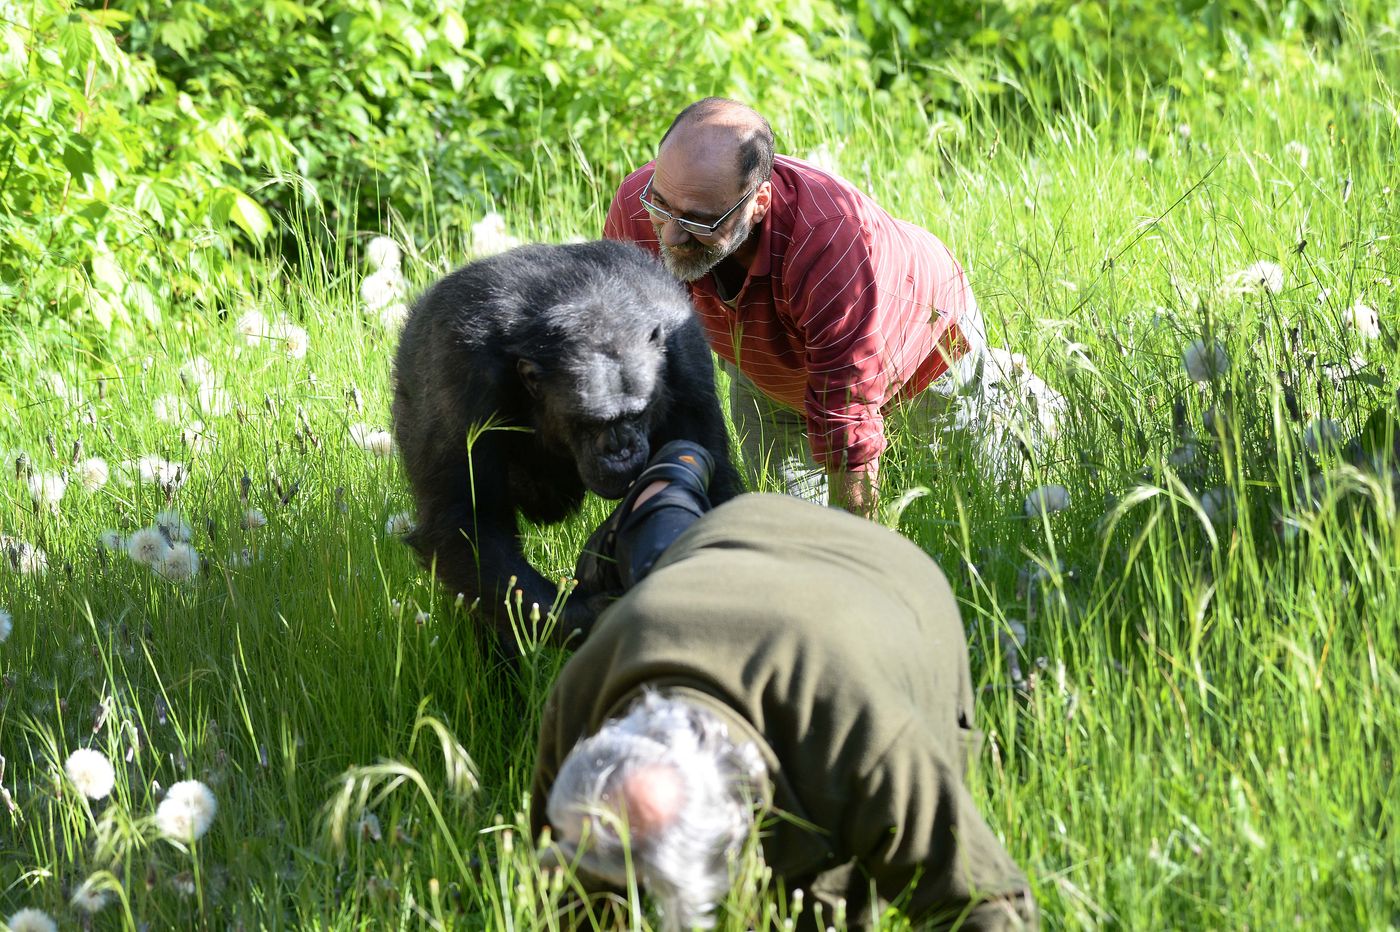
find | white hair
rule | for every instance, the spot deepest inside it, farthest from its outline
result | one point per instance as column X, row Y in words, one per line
column 685, row 863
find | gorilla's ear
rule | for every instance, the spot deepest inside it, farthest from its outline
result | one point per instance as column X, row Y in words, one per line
column 530, row 373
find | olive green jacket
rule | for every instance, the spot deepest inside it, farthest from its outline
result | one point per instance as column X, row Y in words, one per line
column 835, row 646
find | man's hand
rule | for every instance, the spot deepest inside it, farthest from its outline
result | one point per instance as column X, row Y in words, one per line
column 856, row 491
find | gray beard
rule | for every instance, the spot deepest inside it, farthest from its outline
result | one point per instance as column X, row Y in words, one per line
column 690, row 263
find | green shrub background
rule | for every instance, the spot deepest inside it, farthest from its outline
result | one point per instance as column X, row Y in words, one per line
column 148, row 145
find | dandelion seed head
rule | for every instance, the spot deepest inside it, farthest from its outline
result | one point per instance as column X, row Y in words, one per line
column 376, row 440
column 147, row 546
column 253, row 327
column 1218, row 504
column 169, row 408
column 367, row 827
column 111, row 540
column 187, row 811
column 173, row 525
column 392, row 316
column 157, row 470
column 47, row 488
column 197, row 372
column 32, row 920
column 1047, row 499
column 7, row 624
column 292, row 339
column 1183, row 456
column 1260, row 276
column 1364, row 320
column 422, row 618
column 178, row 564
column 381, row 288
column 825, row 158
column 253, row 519
column 1205, row 362
column 214, row 401
column 90, row 898
column 91, row 772
column 399, row 524
column 22, row 556
column 383, row 252
column 1298, row 151
column 489, row 236
column 92, row 473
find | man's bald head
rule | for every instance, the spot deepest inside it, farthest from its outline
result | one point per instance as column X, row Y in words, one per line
column 725, row 129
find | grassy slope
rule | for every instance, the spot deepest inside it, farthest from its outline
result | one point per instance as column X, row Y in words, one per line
column 1210, row 738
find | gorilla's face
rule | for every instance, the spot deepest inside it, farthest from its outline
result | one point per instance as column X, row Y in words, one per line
column 603, row 402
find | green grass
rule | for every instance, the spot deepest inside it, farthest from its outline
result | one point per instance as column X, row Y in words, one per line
column 1206, row 730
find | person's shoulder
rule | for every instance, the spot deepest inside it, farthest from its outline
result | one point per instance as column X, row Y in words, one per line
column 811, row 205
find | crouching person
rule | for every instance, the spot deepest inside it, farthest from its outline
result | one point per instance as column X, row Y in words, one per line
column 778, row 661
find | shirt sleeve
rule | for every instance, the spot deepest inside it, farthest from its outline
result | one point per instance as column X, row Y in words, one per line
column 835, row 306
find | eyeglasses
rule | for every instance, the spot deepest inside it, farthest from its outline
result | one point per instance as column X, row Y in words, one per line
column 693, row 227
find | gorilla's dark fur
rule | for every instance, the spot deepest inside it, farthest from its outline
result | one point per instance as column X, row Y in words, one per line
column 567, row 365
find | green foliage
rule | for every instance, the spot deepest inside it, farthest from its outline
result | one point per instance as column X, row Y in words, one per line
column 1047, row 52
column 147, row 146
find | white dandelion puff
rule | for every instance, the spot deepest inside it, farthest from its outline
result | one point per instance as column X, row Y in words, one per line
column 1218, row 504
column 111, row 540
column 169, row 408
column 399, row 524
column 32, row 920
column 1260, row 276
column 489, row 236
column 1364, row 320
column 178, row 564
column 382, row 252
column 253, row 519
column 195, row 438
column 422, row 618
column 368, row 827
column 1047, row 498
column 825, row 158
column 253, row 327
column 376, row 440
column 147, row 546
column 392, row 316
column 1182, row 456
column 214, row 401
column 197, row 372
column 7, row 624
column 381, row 288
column 22, row 556
column 92, row 473
column 1322, row 434
column 157, row 470
column 89, row 897
column 174, row 526
column 293, row 339
column 47, row 488
column 91, row 772
column 1205, row 363
column 1298, row 152
column 187, row 811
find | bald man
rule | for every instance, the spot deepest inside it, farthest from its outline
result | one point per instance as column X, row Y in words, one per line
column 826, row 310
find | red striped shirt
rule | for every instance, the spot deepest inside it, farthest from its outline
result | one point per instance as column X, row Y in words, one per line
column 844, row 310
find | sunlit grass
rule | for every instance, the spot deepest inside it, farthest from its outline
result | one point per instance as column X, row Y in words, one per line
column 1198, row 729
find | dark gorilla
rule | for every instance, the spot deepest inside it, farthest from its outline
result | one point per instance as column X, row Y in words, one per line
column 525, row 378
